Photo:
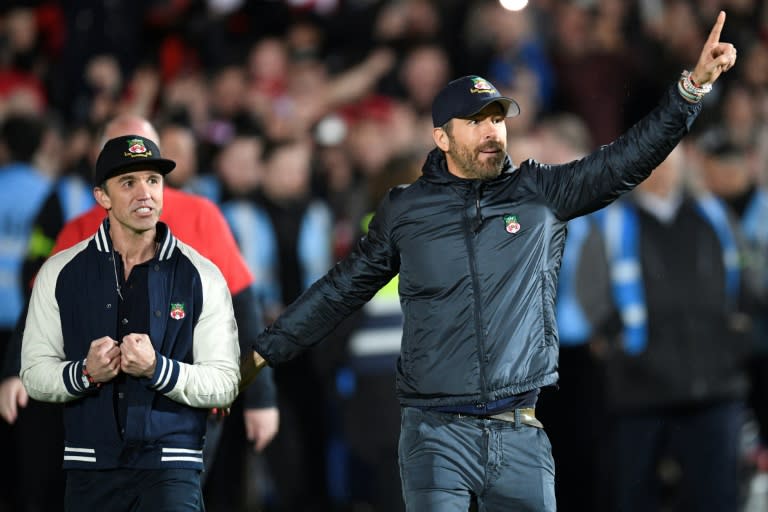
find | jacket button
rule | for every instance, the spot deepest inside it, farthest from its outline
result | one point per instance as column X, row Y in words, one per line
column 109, row 306
column 157, row 268
column 157, row 314
column 124, row 321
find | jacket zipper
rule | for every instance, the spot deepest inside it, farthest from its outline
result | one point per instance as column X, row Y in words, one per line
column 473, row 228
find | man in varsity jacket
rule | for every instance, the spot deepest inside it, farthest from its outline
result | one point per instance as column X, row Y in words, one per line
column 135, row 332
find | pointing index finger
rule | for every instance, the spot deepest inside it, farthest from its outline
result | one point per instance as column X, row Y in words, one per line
column 714, row 35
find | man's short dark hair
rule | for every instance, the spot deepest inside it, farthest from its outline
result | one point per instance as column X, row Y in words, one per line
column 22, row 135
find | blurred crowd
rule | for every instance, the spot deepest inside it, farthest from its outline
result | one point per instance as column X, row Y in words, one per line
column 295, row 117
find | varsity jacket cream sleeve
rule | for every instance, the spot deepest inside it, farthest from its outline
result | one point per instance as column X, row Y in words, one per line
column 212, row 380
column 42, row 350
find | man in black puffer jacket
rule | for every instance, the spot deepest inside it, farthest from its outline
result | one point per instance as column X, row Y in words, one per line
column 478, row 243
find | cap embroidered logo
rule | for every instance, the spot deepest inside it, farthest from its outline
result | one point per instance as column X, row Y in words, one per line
column 136, row 147
column 480, row 85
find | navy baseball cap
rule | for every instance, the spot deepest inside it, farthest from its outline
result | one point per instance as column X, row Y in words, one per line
column 465, row 97
column 129, row 153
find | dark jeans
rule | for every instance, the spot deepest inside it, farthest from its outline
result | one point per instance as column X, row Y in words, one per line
column 704, row 441
column 133, row 490
column 449, row 461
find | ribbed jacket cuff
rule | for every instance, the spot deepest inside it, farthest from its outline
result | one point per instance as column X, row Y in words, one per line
column 166, row 374
column 73, row 379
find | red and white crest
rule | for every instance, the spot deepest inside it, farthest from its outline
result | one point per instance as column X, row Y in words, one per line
column 177, row 311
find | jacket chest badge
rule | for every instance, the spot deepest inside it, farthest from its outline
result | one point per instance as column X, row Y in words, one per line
column 511, row 225
column 177, row 311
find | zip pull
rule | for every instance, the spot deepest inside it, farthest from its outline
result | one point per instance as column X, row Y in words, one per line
column 478, row 220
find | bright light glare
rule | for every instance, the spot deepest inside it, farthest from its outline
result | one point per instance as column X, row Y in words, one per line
column 513, row 5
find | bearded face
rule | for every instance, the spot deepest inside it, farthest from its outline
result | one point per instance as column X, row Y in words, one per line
column 481, row 162
column 475, row 147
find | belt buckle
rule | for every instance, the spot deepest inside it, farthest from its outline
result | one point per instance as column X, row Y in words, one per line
column 527, row 416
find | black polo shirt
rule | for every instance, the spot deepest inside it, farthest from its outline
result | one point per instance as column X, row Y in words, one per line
column 132, row 317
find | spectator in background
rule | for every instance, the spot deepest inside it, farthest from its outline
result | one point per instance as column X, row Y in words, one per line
column 20, row 139
column 672, row 307
column 299, row 230
column 267, row 68
column 312, row 92
column 237, row 172
column 186, row 96
column 731, row 172
column 754, row 75
column 358, row 150
column 223, row 106
column 424, row 69
column 284, row 235
column 338, row 181
column 237, row 166
column 591, row 70
column 100, row 52
column 518, row 51
column 70, row 196
column 23, row 64
column 403, row 25
column 180, row 144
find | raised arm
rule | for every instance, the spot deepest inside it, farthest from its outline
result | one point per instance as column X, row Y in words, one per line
column 591, row 183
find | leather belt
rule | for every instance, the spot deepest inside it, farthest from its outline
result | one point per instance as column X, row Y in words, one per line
column 527, row 416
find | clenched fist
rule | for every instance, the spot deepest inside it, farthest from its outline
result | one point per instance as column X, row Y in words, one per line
column 103, row 359
column 137, row 355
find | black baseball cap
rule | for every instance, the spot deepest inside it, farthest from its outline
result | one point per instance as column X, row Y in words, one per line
column 129, row 153
column 465, row 97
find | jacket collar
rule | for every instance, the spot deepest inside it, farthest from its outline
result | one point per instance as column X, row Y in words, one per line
column 164, row 236
column 435, row 169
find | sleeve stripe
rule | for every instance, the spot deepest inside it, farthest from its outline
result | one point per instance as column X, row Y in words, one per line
column 71, row 375
column 166, row 375
column 168, row 245
column 101, row 239
column 163, row 369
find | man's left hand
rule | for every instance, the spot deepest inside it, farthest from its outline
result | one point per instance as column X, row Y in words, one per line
column 137, row 355
column 715, row 58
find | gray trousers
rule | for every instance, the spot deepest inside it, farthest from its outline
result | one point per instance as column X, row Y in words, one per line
column 448, row 461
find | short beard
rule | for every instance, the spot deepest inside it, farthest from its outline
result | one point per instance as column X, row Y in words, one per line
column 469, row 163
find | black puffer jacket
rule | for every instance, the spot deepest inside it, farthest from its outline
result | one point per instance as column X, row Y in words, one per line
column 478, row 264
